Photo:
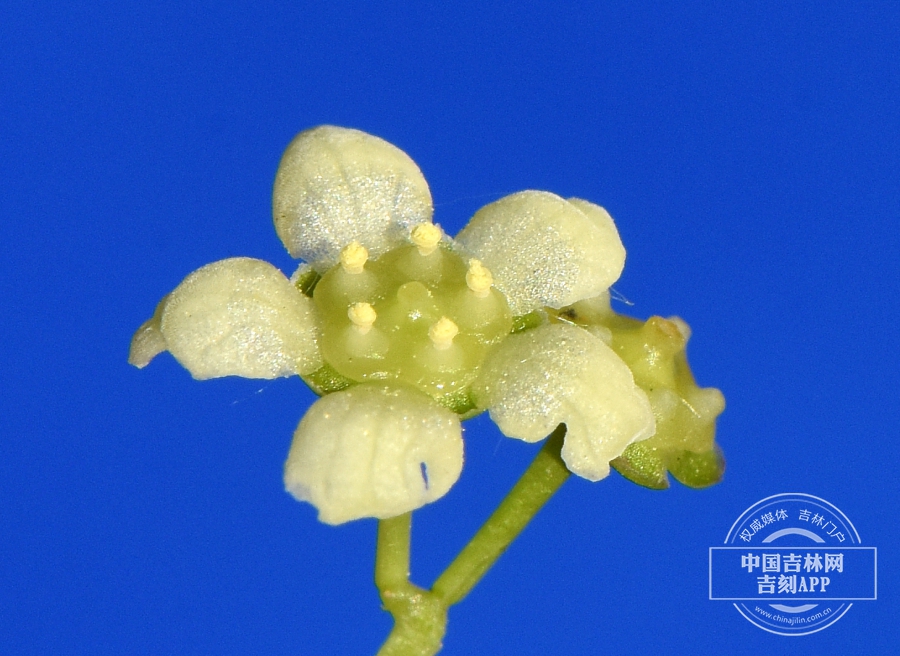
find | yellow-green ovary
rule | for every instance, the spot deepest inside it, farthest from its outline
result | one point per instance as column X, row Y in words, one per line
column 410, row 293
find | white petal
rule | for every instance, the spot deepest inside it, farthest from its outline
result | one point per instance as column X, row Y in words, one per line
column 559, row 373
column 148, row 341
column 373, row 451
column 337, row 185
column 236, row 317
column 545, row 251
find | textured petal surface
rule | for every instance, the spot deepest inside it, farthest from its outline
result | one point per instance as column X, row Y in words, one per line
column 559, row 373
column 236, row 317
column 336, row 185
column 148, row 341
column 373, row 451
column 544, row 250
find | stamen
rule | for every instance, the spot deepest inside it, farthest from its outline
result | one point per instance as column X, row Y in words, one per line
column 442, row 333
column 426, row 237
column 363, row 316
column 354, row 257
column 479, row 278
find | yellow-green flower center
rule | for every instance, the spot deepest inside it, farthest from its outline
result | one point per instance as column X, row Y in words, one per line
column 418, row 315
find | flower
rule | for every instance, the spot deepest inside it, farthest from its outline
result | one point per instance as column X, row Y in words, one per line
column 403, row 331
column 655, row 351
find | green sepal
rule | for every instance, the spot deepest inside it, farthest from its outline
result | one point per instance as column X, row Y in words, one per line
column 646, row 466
column 460, row 402
column 698, row 470
column 528, row 321
column 306, row 282
column 642, row 465
column 326, row 380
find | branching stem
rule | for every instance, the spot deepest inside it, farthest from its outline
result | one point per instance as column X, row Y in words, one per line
column 420, row 616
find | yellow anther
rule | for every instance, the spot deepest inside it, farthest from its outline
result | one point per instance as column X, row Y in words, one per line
column 353, row 257
column 426, row 237
column 442, row 333
column 479, row 278
column 363, row 316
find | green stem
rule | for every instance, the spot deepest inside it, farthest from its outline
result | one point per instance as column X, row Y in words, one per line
column 420, row 616
column 420, row 619
column 540, row 481
column 392, row 551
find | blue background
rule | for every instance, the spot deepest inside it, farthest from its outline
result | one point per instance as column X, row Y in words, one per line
column 749, row 156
